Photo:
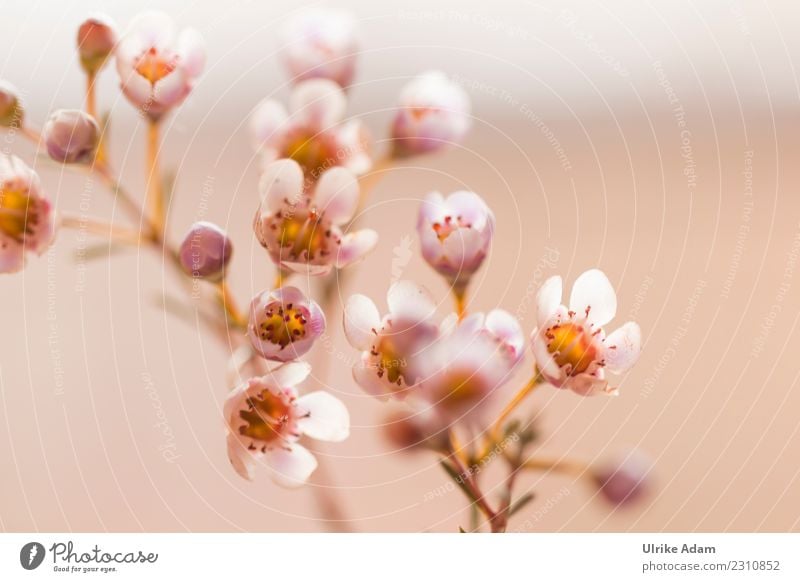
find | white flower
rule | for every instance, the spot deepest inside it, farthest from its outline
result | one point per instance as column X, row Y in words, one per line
column 570, row 344
column 265, row 418
column 498, row 325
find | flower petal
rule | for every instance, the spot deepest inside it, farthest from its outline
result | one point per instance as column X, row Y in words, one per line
column 355, row 246
column 281, row 184
column 336, row 195
column 241, row 459
column 548, row 299
column 623, row 348
column 317, row 103
column 365, row 374
column 327, row 417
column 361, row 321
column 548, row 367
column 268, row 123
column 507, row 329
column 192, row 52
column 592, row 291
column 293, row 467
column 407, row 299
column 289, row 374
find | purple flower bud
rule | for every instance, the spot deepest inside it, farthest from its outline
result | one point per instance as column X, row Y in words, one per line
column 71, row 136
column 96, row 40
column 11, row 112
column 205, row 251
column 624, row 480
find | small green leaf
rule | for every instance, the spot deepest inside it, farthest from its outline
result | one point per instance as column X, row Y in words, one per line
column 520, row 503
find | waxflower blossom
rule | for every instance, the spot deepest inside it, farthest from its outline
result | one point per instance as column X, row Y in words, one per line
column 11, row 111
column 97, row 37
column 320, row 43
column 302, row 231
column 266, row 417
column 455, row 234
column 205, row 251
column 415, row 428
column 391, row 346
column 624, row 479
column 284, row 324
column 433, row 112
column 498, row 325
column 27, row 222
column 311, row 133
column 71, row 136
column 157, row 71
column 571, row 348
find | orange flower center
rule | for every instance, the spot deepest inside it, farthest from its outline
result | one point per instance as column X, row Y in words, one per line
column 571, row 343
column 266, row 417
column 459, row 389
column 443, row 229
column 153, row 66
column 304, row 232
column 282, row 325
column 17, row 213
column 314, row 153
column 390, row 362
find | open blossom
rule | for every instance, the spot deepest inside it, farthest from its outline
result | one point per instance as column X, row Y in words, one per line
column 624, row 479
column 433, row 112
column 570, row 345
column 265, row 418
column 284, row 324
column 320, row 43
column 157, row 70
column 455, row 234
column 391, row 346
column 97, row 37
column 498, row 325
column 311, row 133
column 71, row 136
column 27, row 221
column 301, row 231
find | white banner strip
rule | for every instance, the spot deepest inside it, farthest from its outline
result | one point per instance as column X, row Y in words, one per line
column 401, row 557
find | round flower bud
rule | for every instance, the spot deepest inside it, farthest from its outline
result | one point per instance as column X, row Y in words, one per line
column 205, row 251
column 11, row 112
column 96, row 40
column 71, row 136
column 625, row 479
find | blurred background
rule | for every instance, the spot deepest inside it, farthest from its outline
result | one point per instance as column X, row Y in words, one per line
column 657, row 141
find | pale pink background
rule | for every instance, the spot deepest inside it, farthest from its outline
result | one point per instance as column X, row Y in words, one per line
column 577, row 148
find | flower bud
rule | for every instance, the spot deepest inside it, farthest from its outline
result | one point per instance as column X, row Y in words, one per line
column 96, row 40
column 409, row 430
column 205, row 251
column 71, row 136
column 624, row 480
column 11, row 112
column 433, row 112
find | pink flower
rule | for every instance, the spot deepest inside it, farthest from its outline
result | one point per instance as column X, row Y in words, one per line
column 71, row 136
column 570, row 345
column 27, row 221
column 205, row 251
column 390, row 346
column 311, row 133
column 284, row 324
column 624, row 479
column 303, row 232
column 433, row 112
column 157, row 71
column 97, row 37
column 320, row 43
column 455, row 234
column 265, row 418
column 498, row 325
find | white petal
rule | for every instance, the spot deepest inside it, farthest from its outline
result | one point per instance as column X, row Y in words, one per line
column 365, row 374
column 623, row 348
column 337, row 195
column 281, row 184
column 548, row 367
column 289, row 374
column 268, row 123
column 241, row 459
column 505, row 326
column 317, row 103
column 355, row 246
column 408, row 299
column 593, row 290
column 465, row 250
column 449, row 325
column 291, row 468
column 469, row 207
column 153, row 29
column 361, row 321
column 548, row 299
column 588, row 385
column 192, row 52
column 327, row 420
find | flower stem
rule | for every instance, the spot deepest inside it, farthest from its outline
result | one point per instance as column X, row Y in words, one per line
column 228, row 302
column 101, row 228
column 460, row 296
column 91, row 103
column 567, row 466
column 155, row 195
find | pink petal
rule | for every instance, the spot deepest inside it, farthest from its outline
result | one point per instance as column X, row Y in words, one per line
column 12, row 255
column 241, row 459
column 317, row 103
column 365, row 374
column 336, row 195
column 623, row 348
column 506, row 328
column 464, row 249
column 356, row 245
column 327, row 417
column 544, row 360
column 191, row 52
column 588, row 385
column 293, row 467
column 361, row 318
column 268, row 123
column 470, row 207
column 289, row 374
column 593, row 290
column 548, row 299
column 408, row 300
column 281, row 184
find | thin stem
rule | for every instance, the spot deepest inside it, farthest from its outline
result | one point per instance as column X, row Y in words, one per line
column 91, row 103
column 460, row 297
column 532, row 384
column 566, row 466
column 280, row 278
column 228, row 302
column 101, row 228
column 155, row 195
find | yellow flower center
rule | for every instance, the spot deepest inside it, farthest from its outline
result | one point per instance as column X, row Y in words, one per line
column 266, row 417
column 282, row 325
column 390, row 362
column 153, row 66
column 459, row 389
column 304, row 232
column 314, row 153
column 572, row 343
column 443, row 229
column 17, row 213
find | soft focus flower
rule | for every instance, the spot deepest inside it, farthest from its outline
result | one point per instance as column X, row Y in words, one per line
column 157, row 70
column 570, row 345
column 311, row 133
column 415, row 428
column 27, row 223
column 205, row 251
column 320, row 43
column 284, row 324
column 71, row 136
column 433, row 112
column 302, row 232
column 625, row 478
column 265, row 418
column 498, row 325
column 390, row 346
column 455, row 234
column 11, row 111
column 97, row 37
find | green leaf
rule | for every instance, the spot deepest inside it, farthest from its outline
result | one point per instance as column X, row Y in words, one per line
column 520, row 503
